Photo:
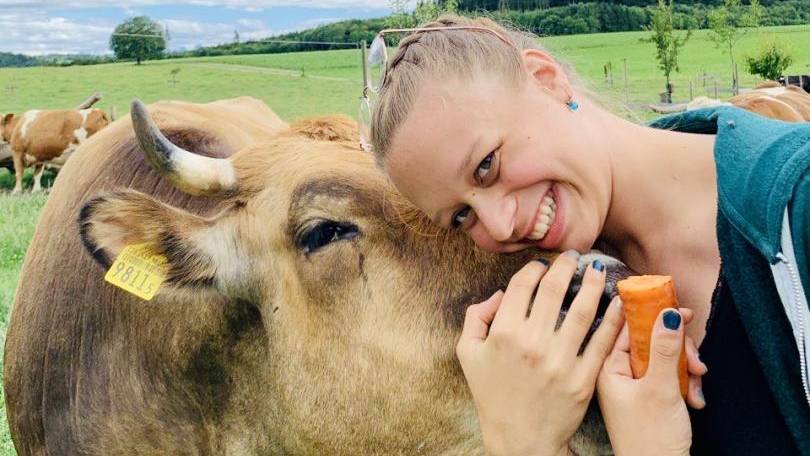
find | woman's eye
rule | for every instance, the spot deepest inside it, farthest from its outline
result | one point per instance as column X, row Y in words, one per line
column 484, row 167
column 460, row 216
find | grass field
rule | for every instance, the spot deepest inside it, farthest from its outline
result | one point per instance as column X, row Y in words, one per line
column 301, row 84
column 18, row 217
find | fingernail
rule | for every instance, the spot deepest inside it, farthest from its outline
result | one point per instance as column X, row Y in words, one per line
column 672, row 320
column 598, row 265
column 572, row 253
column 542, row 261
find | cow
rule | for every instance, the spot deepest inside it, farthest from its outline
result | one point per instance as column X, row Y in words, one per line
column 308, row 308
column 770, row 99
column 48, row 138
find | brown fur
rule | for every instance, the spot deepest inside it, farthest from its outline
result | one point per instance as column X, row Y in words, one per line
column 791, row 103
column 253, row 346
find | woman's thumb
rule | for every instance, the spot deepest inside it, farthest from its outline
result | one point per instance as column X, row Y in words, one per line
column 666, row 347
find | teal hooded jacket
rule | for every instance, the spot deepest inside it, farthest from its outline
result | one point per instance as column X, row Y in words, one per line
column 763, row 231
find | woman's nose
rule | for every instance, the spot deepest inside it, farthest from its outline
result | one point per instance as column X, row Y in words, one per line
column 497, row 215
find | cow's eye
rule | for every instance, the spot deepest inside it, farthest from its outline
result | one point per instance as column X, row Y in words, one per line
column 323, row 233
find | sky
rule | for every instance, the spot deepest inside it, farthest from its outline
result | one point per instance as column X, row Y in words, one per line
column 37, row 27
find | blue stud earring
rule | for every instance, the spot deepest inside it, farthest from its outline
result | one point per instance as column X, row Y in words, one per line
column 572, row 105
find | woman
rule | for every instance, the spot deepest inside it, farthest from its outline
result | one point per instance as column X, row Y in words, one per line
column 487, row 133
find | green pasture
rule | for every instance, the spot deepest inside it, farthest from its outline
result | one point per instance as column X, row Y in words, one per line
column 300, row 84
column 303, row 84
column 18, row 217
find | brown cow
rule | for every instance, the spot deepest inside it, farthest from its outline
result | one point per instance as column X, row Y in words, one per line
column 40, row 138
column 308, row 310
column 791, row 103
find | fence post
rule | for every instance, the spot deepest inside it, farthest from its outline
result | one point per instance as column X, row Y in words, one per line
column 626, row 93
column 715, row 89
column 363, row 63
column 113, row 113
column 690, row 91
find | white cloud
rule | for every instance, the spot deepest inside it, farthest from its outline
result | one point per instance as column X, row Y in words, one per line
column 241, row 4
column 36, row 34
column 187, row 34
column 37, row 27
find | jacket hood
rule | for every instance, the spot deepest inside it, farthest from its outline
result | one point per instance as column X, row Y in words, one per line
column 758, row 161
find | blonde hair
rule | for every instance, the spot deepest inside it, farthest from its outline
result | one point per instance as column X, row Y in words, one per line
column 463, row 54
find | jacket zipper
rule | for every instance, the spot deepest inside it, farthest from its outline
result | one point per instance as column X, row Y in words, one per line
column 796, row 302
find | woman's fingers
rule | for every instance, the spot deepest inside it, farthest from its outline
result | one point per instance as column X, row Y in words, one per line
column 477, row 322
column 694, row 365
column 697, row 369
column 552, row 290
column 518, row 295
column 694, row 396
column 665, row 349
column 579, row 319
column 605, row 348
column 687, row 314
column 479, row 317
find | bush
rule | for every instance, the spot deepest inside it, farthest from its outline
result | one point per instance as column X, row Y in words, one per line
column 771, row 60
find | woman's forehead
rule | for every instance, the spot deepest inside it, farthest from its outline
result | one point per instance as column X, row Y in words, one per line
column 444, row 115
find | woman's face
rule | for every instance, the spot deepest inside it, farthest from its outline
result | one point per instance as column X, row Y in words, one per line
column 513, row 167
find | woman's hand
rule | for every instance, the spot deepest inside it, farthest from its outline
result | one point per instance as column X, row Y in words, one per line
column 530, row 386
column 648, row 415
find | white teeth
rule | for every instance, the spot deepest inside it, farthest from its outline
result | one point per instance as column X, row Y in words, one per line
column 543, row 223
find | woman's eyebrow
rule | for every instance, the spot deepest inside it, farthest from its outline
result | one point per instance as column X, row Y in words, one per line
column 466, row 162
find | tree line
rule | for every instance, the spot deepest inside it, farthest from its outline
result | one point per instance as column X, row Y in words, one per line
column 573, row 18
column 524, row 5
column 541, row 17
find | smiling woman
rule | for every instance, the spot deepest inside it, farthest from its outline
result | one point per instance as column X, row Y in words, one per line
column 493, row 136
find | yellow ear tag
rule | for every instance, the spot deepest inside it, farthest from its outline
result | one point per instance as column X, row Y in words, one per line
column 138, row 270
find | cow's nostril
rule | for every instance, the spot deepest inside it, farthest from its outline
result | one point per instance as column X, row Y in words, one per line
column 615, row 271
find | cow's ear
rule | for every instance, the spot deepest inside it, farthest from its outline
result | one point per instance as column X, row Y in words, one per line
column 200, row 252
column 337, row 128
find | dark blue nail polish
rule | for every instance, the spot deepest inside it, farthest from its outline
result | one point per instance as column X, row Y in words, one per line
column 542, row 261
column 672, row 320
column 598, row 265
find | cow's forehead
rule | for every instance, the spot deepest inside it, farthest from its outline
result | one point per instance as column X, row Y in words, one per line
column 325, row 192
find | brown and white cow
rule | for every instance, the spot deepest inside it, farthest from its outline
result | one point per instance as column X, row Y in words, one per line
column 48, row 137
column 770, row 99
column 308, row 310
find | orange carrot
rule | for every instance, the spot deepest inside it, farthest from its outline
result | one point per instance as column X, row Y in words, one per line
column 643, row 298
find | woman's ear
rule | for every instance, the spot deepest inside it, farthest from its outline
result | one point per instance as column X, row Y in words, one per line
column 547, row 74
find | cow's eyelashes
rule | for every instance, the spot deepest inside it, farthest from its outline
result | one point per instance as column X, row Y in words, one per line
column 322, row 233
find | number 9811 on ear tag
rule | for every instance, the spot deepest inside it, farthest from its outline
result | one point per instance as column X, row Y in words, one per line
column 138, row 270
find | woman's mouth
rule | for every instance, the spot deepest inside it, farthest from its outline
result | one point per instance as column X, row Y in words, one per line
column 545, row 218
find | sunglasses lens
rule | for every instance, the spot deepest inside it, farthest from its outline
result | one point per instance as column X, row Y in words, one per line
column 364, row 120
column 376, row 62
column 376, row 53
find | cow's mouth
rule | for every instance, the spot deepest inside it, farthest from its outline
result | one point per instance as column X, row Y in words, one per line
column 615, row 271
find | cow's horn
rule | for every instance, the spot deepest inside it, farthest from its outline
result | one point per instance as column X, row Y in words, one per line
column 193, row 174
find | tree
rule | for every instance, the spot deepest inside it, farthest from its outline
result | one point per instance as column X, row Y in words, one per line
column 667, row 43
column 772, row 59
column 138, row 38
column 399, row 18
column 727, row 23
